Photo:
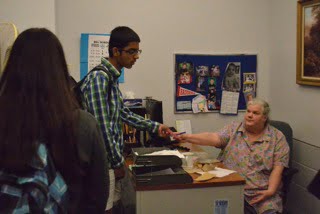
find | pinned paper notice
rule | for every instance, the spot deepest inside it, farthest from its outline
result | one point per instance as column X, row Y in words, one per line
column 199, row 104
column 183, row 126
column 229, row 102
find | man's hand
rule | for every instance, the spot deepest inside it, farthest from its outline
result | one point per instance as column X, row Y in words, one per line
column 164, row 131
column 119, row 173
column 261, row 196
column 179, row 136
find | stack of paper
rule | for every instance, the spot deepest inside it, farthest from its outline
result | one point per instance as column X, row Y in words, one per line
column 219, row 172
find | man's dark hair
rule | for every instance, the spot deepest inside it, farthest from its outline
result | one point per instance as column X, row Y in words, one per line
column 120, row 37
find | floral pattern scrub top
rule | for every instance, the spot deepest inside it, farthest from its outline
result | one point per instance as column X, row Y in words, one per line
column 255, row 161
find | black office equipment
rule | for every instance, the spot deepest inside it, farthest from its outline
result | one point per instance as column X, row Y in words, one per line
column 151, row 109
column 154, row 113
column 132, row 136
column 154, row 110
column 314, row 186
column 151, row 170
column 288, row 173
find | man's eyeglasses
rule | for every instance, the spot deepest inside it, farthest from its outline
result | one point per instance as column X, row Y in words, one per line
column 133, row 51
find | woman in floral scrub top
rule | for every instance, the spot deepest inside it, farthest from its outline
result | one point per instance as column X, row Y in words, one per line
column 257, row 151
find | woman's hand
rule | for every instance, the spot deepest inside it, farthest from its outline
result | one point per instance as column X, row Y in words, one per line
column 261, row 196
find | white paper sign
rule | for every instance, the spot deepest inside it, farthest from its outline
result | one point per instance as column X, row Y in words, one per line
column 229, row 102
column 97, row 48
column 184, row 126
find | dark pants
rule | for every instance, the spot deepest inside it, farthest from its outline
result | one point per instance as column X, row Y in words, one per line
column 248, row 209
column 118, row 208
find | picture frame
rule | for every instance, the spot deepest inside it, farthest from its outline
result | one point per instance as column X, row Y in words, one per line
column 249, row 77
column 308, row 58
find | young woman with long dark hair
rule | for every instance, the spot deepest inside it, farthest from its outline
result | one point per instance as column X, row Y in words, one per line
column 36, row 102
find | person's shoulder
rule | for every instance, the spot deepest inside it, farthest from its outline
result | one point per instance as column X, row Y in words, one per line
column 100, row 74
column 86, row 129
column 274, row 130
column 237, row 127
column 276, row 133
column 236, row 124
column 85, row 119
column 84, row 115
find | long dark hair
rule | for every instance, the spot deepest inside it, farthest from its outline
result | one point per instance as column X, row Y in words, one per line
column 36, row 101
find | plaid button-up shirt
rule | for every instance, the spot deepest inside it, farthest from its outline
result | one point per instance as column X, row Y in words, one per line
column 105, row 102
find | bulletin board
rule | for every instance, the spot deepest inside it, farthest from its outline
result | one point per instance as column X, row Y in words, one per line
column 201, row 81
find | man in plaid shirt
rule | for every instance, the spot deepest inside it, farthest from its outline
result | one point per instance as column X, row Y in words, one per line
column 104, row 100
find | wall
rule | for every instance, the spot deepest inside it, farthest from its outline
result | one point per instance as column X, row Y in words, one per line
column 166, row 27
column 296, row 104
column 26, row 14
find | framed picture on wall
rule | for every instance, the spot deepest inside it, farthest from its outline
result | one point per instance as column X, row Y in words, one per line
column 308, row 43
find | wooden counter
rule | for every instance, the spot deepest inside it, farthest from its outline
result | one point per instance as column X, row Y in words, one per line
column 196, row 197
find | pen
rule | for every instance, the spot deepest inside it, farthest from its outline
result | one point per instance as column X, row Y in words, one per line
column 180, row 133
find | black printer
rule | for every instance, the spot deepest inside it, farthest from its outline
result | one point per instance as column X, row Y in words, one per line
column 151, row 170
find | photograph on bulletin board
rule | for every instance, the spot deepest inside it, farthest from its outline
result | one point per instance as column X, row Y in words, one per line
column 214, row 83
